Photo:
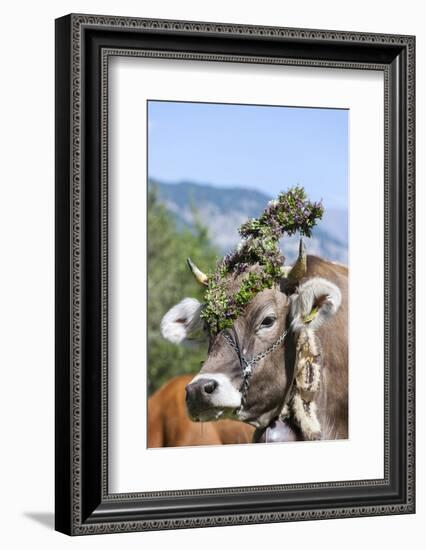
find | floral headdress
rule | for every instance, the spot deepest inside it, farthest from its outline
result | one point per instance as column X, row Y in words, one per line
column 290, row 212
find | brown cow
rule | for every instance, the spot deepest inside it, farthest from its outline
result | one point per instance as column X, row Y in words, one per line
column 315, row 312
column 169, row 425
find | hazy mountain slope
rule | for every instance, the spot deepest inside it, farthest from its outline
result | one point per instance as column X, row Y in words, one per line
column 223, row 210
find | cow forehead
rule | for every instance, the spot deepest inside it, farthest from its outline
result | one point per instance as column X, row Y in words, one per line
column 267, row 302
column 269, row 298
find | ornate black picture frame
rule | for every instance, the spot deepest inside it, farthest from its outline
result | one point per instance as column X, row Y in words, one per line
column 83, row 45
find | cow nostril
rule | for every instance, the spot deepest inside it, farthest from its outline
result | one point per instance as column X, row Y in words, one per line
column 210, row 386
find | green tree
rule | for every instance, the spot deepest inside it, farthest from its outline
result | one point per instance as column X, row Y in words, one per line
column 169, row 281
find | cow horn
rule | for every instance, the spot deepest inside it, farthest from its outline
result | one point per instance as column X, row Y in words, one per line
column 198, row 274
column 298, row 271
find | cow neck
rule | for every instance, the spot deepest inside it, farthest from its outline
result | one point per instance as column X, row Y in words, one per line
column 280, row 428
column 298, row 419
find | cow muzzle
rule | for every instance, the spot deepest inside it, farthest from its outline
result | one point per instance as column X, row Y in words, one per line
column 210, row 397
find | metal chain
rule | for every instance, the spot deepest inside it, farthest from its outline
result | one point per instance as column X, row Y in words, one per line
column 248, row 363
column 259, row 356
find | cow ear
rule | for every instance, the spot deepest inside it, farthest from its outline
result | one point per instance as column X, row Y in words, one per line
column 182, row 324
column 315, row 301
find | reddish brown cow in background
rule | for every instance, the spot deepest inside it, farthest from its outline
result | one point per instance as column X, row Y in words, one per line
column 169, row 425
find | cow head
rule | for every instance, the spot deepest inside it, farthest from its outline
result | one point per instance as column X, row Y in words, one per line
column 215, row 392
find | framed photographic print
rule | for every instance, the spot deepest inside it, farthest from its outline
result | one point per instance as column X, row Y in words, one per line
column 234, row 274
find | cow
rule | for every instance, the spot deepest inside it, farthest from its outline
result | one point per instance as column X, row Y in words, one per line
column 315, row 306
column 169, row 425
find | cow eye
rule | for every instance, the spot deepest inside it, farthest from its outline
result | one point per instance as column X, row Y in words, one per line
column 268, row 321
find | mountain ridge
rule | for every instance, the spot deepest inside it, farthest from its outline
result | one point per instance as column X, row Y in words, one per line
column 223, row 209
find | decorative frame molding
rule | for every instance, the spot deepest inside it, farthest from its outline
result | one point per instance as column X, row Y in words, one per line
column 84, row 44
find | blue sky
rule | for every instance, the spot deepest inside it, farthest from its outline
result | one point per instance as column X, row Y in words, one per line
column 259, row 147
